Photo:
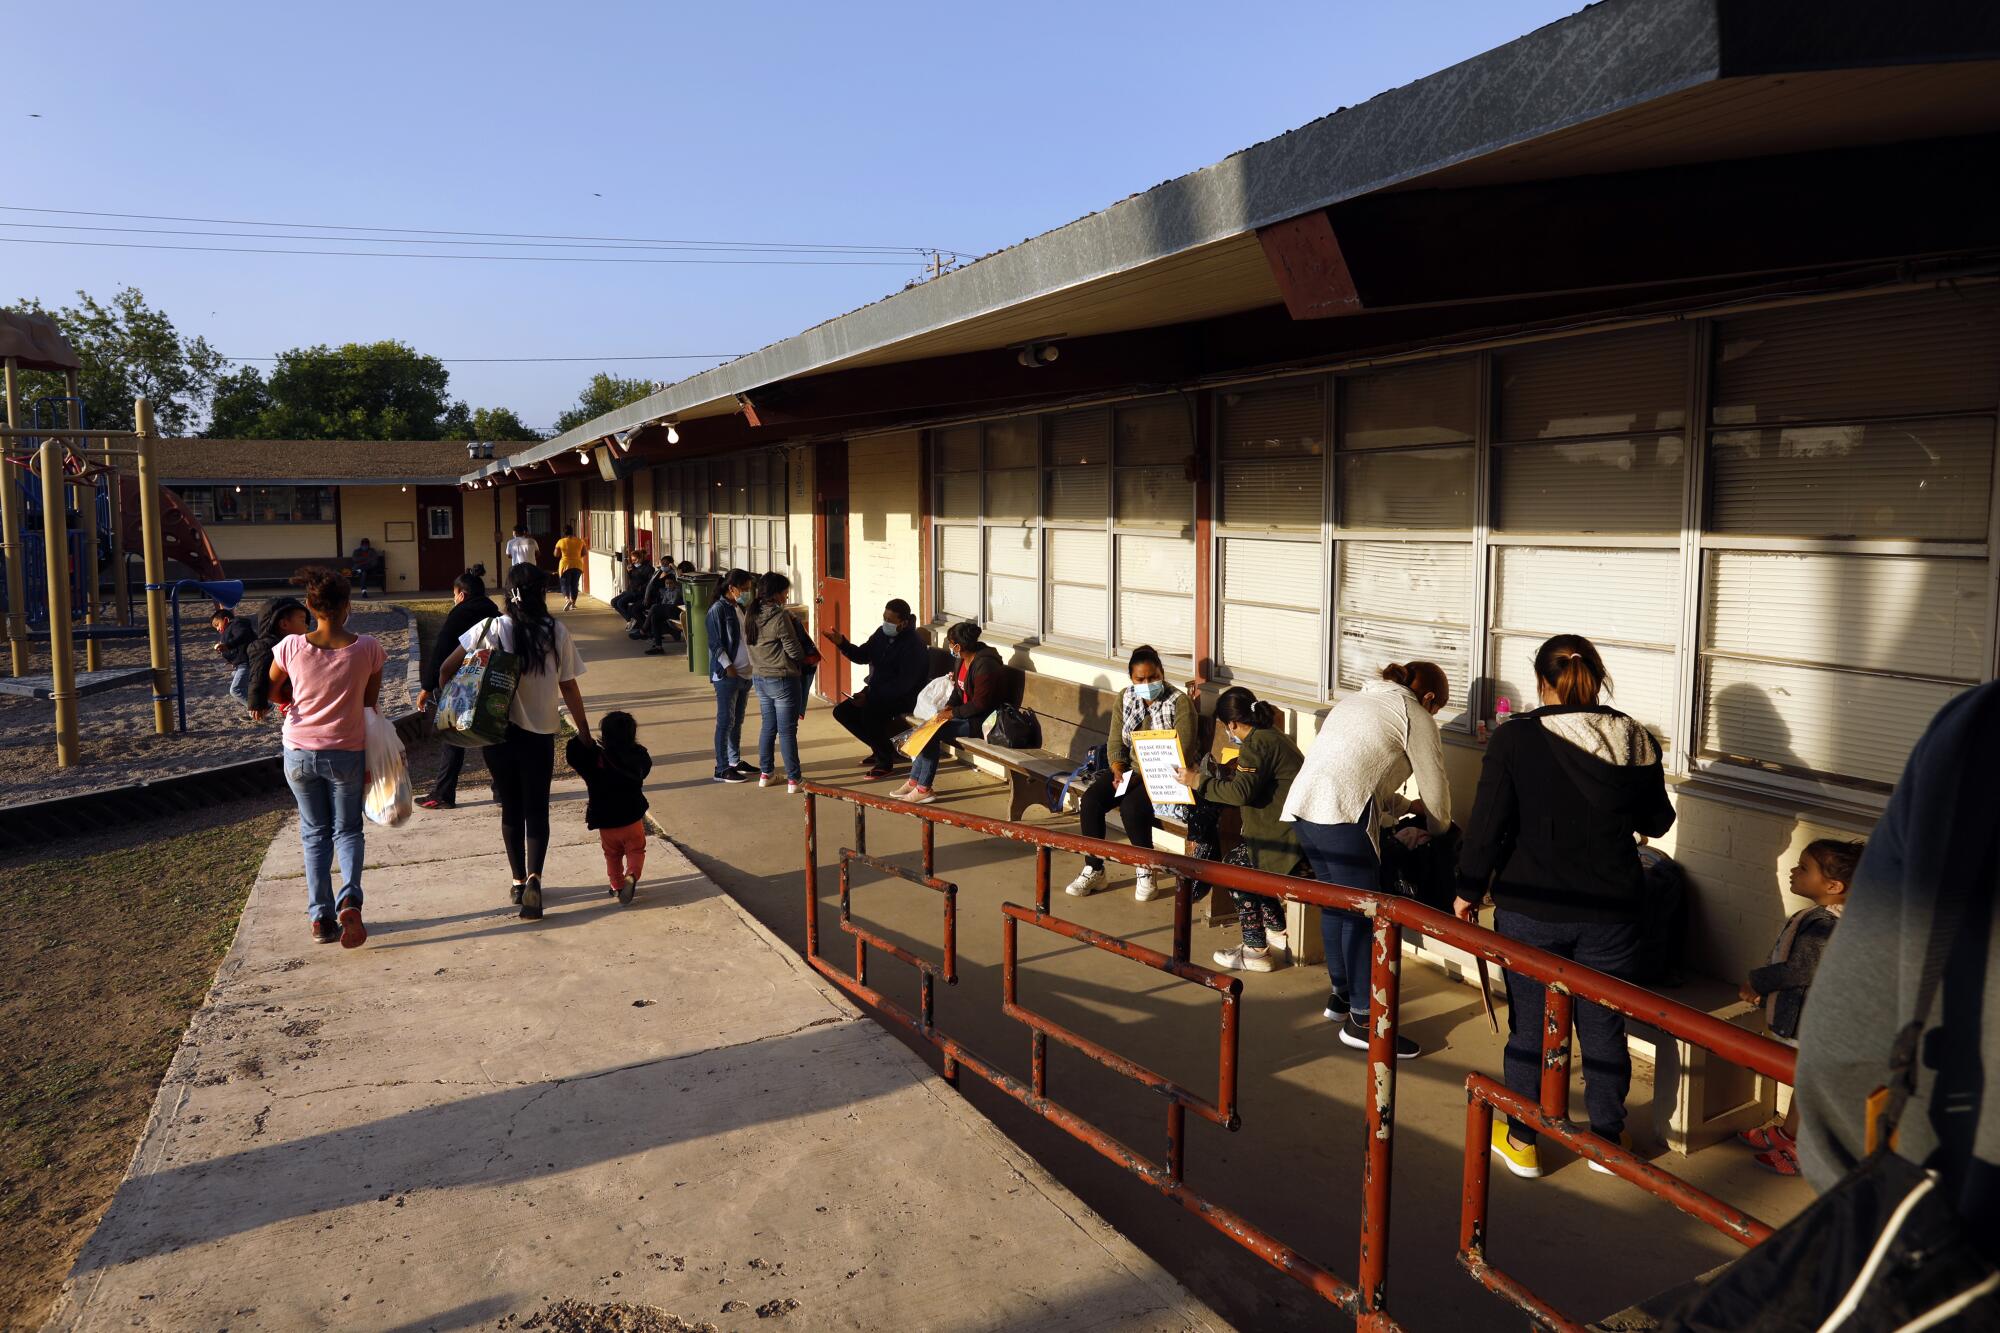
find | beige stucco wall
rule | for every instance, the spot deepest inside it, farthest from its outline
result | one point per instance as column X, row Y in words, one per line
column 799, row 531
column 883, row 526
column 476, row 527
column 272, row 541
column 366, row 511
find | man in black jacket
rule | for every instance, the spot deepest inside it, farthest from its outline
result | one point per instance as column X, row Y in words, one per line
column 471, row 606
column 284, row 616
column 638, row 573
column 898, row 664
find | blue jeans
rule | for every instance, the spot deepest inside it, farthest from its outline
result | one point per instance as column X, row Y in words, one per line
column 239, row 685
column 732, row 693
column 923, row 772
column 1342, row 854
column 778, row 698
column 1608, row 946
column 327, row 785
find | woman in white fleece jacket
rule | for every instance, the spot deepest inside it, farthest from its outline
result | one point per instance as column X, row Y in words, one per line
column 1373, row 742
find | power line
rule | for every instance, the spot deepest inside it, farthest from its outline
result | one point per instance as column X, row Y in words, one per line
column 496, row 235
column 749, row 248
column 405, row 254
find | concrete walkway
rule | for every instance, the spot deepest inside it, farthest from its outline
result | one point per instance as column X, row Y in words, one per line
column 474, row 1115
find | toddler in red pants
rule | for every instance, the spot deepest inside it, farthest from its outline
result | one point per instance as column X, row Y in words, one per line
column 614, row 768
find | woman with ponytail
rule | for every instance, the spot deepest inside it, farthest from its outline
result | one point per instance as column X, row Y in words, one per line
column 524, row 764
column 1257, row 782
column 1372, row 743
column 1565, row 792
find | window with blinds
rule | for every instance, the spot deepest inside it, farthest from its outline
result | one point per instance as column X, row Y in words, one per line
column 600, row 503
column 1403, row 602
column 1847, row 581
column 1272, row 445
column 1270, row 484
column 1273, row 609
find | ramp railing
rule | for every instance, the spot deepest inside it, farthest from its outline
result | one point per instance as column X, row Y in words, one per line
column 1366, row 1297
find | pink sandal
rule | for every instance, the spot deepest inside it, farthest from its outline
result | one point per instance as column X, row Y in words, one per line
column 1778, row 1161
column 1767, row 1138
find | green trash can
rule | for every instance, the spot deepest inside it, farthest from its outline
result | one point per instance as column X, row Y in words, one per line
column 697, row 595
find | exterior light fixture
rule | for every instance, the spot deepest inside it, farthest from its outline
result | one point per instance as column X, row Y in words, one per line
column 673, row 434
column 404, row 489
column 1036, row 355
column 583, row 455
column 239, row 490
column 623, row 439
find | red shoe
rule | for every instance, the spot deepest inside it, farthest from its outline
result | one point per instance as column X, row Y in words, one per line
column 324, row 931
column 352, row 933
column 1779, row 1161
column 433, row 803
column 1767, row 1138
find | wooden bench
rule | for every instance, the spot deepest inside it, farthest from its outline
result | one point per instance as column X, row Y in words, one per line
column 1074, row 718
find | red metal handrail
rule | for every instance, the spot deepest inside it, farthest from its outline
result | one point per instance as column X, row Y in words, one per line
column 1366, row 1298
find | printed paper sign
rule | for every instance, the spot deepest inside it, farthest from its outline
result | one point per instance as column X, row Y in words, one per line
column 1157, row 755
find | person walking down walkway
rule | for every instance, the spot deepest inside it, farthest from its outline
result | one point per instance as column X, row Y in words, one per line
column 521, row 548
column 470, row 606
column 1149, row 704
column 569, row 565
column 524, row 764
column 976, row 679
column 729, row 671
column 1372, row 743
column 614, row 770
column 898, row 662
column 1258, row 782
column 1563, row 795
column 777, row 653
column 284, row 617
column 333, row 677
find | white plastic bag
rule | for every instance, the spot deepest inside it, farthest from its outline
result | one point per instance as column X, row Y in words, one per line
column 931, row 699
column 387, row 799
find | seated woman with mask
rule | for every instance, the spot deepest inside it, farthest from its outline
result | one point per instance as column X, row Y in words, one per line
column 1150, row 704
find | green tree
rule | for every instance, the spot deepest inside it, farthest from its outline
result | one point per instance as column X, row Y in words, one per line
column 604, row 393
column 486, row 423
column 358, row 391
column 130, row 350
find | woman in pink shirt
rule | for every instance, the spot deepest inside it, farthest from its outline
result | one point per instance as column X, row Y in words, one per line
column 335, row 678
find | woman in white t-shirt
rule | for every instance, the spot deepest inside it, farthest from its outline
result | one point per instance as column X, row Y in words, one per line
column 523, row 764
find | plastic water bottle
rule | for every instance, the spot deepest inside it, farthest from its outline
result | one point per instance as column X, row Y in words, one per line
column 1503, row 709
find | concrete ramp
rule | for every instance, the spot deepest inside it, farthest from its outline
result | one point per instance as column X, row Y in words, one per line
column 473, row 1117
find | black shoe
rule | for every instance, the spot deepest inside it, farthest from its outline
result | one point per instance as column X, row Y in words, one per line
column 514, row 894
column 326, row 930
column 732, row 775
column 1336, row 1006
column 626, row 890
column 748, row 770
column 531, row 899
column 1354, row 1033
column 656, row 651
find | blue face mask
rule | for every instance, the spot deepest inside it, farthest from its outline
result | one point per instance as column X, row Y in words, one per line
column 889, row 627
column 1151, row 690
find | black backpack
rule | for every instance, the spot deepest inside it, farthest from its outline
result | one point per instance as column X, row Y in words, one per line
column 1015, row 728
column 1663, row 921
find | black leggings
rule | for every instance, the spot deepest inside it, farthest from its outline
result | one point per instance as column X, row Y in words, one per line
column 522, row 766
column 1135, row 807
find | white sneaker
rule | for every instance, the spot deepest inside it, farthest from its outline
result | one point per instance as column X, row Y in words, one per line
column 1086, row 883
column 765, row 779
column 793, row 788
column 902, row 793
column 1241, row 959
column 1278, row 941
column 1151, row 885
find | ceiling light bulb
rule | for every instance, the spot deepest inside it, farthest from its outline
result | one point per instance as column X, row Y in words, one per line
column 673, row 435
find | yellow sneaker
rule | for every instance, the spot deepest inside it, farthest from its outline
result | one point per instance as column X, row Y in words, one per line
column 1521, row 1161
column 1625, row 1142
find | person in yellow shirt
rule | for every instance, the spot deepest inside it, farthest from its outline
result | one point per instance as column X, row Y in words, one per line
column 569, row 564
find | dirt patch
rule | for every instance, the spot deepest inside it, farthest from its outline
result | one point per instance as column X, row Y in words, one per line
column 111, row 943
column 616, row 1317
column 116, row 735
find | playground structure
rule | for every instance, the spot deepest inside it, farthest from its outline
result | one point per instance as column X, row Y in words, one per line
column 76, row 464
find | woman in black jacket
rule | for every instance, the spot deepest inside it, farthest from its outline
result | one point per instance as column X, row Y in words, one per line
column 471, row 606
column 1565, row 791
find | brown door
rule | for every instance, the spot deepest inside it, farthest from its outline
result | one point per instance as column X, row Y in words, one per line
column 830, row 564
column 440, row 536
column 535, row 508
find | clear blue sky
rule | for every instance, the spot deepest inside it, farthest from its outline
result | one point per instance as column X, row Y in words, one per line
column 871, row 124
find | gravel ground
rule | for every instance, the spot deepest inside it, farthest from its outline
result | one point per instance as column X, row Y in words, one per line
column 116, row 727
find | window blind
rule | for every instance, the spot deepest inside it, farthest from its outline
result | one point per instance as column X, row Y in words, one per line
column 1895, row 355
column 1010, row 497
column 1626, row 485
column 1909, row 615
column 1154, row 497
column 1420, row 488
column 1012, row 443
column 1079, row 439
column 1909, row 479
column 958, row 449
column 1434, row 402
column 1013, row 576
column 1642, row 679
column 958, row 565
column 1609, row 384
column 1261, row 423
column 1156, row 594
column 1272, row 605
column 1600, row 594
column 1806, row 720
column 1077, row 565
column 1418, row 581
column 1279, row 493
column 1366, row 646
column 1156, row 434
column 958, row 495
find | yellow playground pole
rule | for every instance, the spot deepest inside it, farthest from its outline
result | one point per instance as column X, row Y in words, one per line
column 11, row 544
column 156, row 569
column 55, row 550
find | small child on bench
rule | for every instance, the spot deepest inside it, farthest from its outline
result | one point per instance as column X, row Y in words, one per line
column 615, row 769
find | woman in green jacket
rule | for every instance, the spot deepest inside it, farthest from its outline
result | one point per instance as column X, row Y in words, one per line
column 1257, row 783
column 1149, row 705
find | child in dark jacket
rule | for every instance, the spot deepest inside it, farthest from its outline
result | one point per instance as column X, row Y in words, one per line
column 233, row 637
column 614, row 768
column 1822, row 875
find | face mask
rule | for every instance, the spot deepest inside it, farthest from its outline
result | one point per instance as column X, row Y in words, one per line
column 745, row 598
column 889, row 627
column 1150, row 690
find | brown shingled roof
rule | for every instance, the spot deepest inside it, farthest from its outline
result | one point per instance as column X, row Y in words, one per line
column 324, row 461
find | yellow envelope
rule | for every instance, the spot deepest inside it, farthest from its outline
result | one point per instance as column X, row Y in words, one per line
column 922, row 735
